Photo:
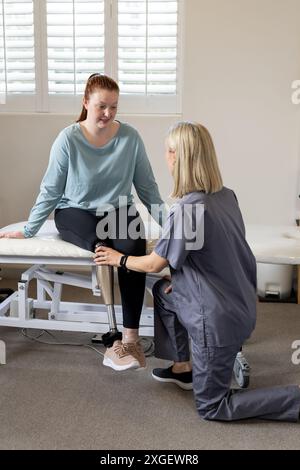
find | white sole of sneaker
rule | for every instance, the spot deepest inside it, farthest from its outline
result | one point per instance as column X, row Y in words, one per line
column 174, row 381
column 109, row 363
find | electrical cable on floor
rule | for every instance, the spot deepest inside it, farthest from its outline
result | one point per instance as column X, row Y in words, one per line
column 56, row 342
column 146, row 342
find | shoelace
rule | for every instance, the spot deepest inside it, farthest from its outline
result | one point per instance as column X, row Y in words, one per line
column 125, row 349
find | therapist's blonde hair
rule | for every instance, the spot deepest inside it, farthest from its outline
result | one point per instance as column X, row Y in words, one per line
column 196, row 166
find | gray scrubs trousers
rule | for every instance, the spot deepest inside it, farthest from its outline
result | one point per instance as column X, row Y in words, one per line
column 212, row 371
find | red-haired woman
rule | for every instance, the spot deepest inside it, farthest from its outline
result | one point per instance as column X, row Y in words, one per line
column 93, row 165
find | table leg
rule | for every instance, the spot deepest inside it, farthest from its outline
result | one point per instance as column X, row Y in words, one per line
column 2, row 352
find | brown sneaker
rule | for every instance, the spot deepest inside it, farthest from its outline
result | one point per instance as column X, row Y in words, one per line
column 136, row 350
column 123, row 356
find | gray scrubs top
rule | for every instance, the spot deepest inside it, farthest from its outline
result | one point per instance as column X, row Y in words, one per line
column 214, row 276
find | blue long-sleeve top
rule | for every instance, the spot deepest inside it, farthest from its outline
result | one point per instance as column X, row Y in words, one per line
column 84, row 176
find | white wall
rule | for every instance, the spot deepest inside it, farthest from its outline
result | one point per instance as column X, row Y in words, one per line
column 25, row 142
column 241, row 57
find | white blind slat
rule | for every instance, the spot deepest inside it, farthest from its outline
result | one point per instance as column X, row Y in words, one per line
column 94, row 54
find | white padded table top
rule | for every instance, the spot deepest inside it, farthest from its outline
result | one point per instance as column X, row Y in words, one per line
column 47, row 243
column 270, row 244
column 274, row 244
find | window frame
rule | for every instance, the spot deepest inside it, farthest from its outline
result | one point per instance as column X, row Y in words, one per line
column 43, row 102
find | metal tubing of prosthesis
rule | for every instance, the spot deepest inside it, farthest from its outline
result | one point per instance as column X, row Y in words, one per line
column 105, row 277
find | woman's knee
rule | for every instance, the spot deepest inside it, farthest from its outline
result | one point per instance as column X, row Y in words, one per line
column 213, row 405
column 207, row 411
column 77, row 226
column 128, row 246
column 86, row 243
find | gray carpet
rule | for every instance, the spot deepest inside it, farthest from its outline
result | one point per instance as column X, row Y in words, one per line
column 61, row 397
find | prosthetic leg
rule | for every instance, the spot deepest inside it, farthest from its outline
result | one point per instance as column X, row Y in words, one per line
column 105, row 277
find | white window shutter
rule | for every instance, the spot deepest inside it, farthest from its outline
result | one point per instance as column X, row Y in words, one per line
column 147, row 46
column 17, row 66
column 48, row 48
column 75, row 36
column 2, row 58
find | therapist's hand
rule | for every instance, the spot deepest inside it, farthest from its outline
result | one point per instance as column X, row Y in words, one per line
column 105, row 256
column 12, row 235
column 168, row 289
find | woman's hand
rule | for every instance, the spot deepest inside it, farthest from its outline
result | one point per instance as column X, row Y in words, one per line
column 168, row 289
column 12, row 235
column 107, row 256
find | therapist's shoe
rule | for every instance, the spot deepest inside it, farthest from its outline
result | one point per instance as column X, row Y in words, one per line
column 184, row 380
column 123, row 356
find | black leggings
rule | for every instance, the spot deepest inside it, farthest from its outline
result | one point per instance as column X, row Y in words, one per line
column 79, row 227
